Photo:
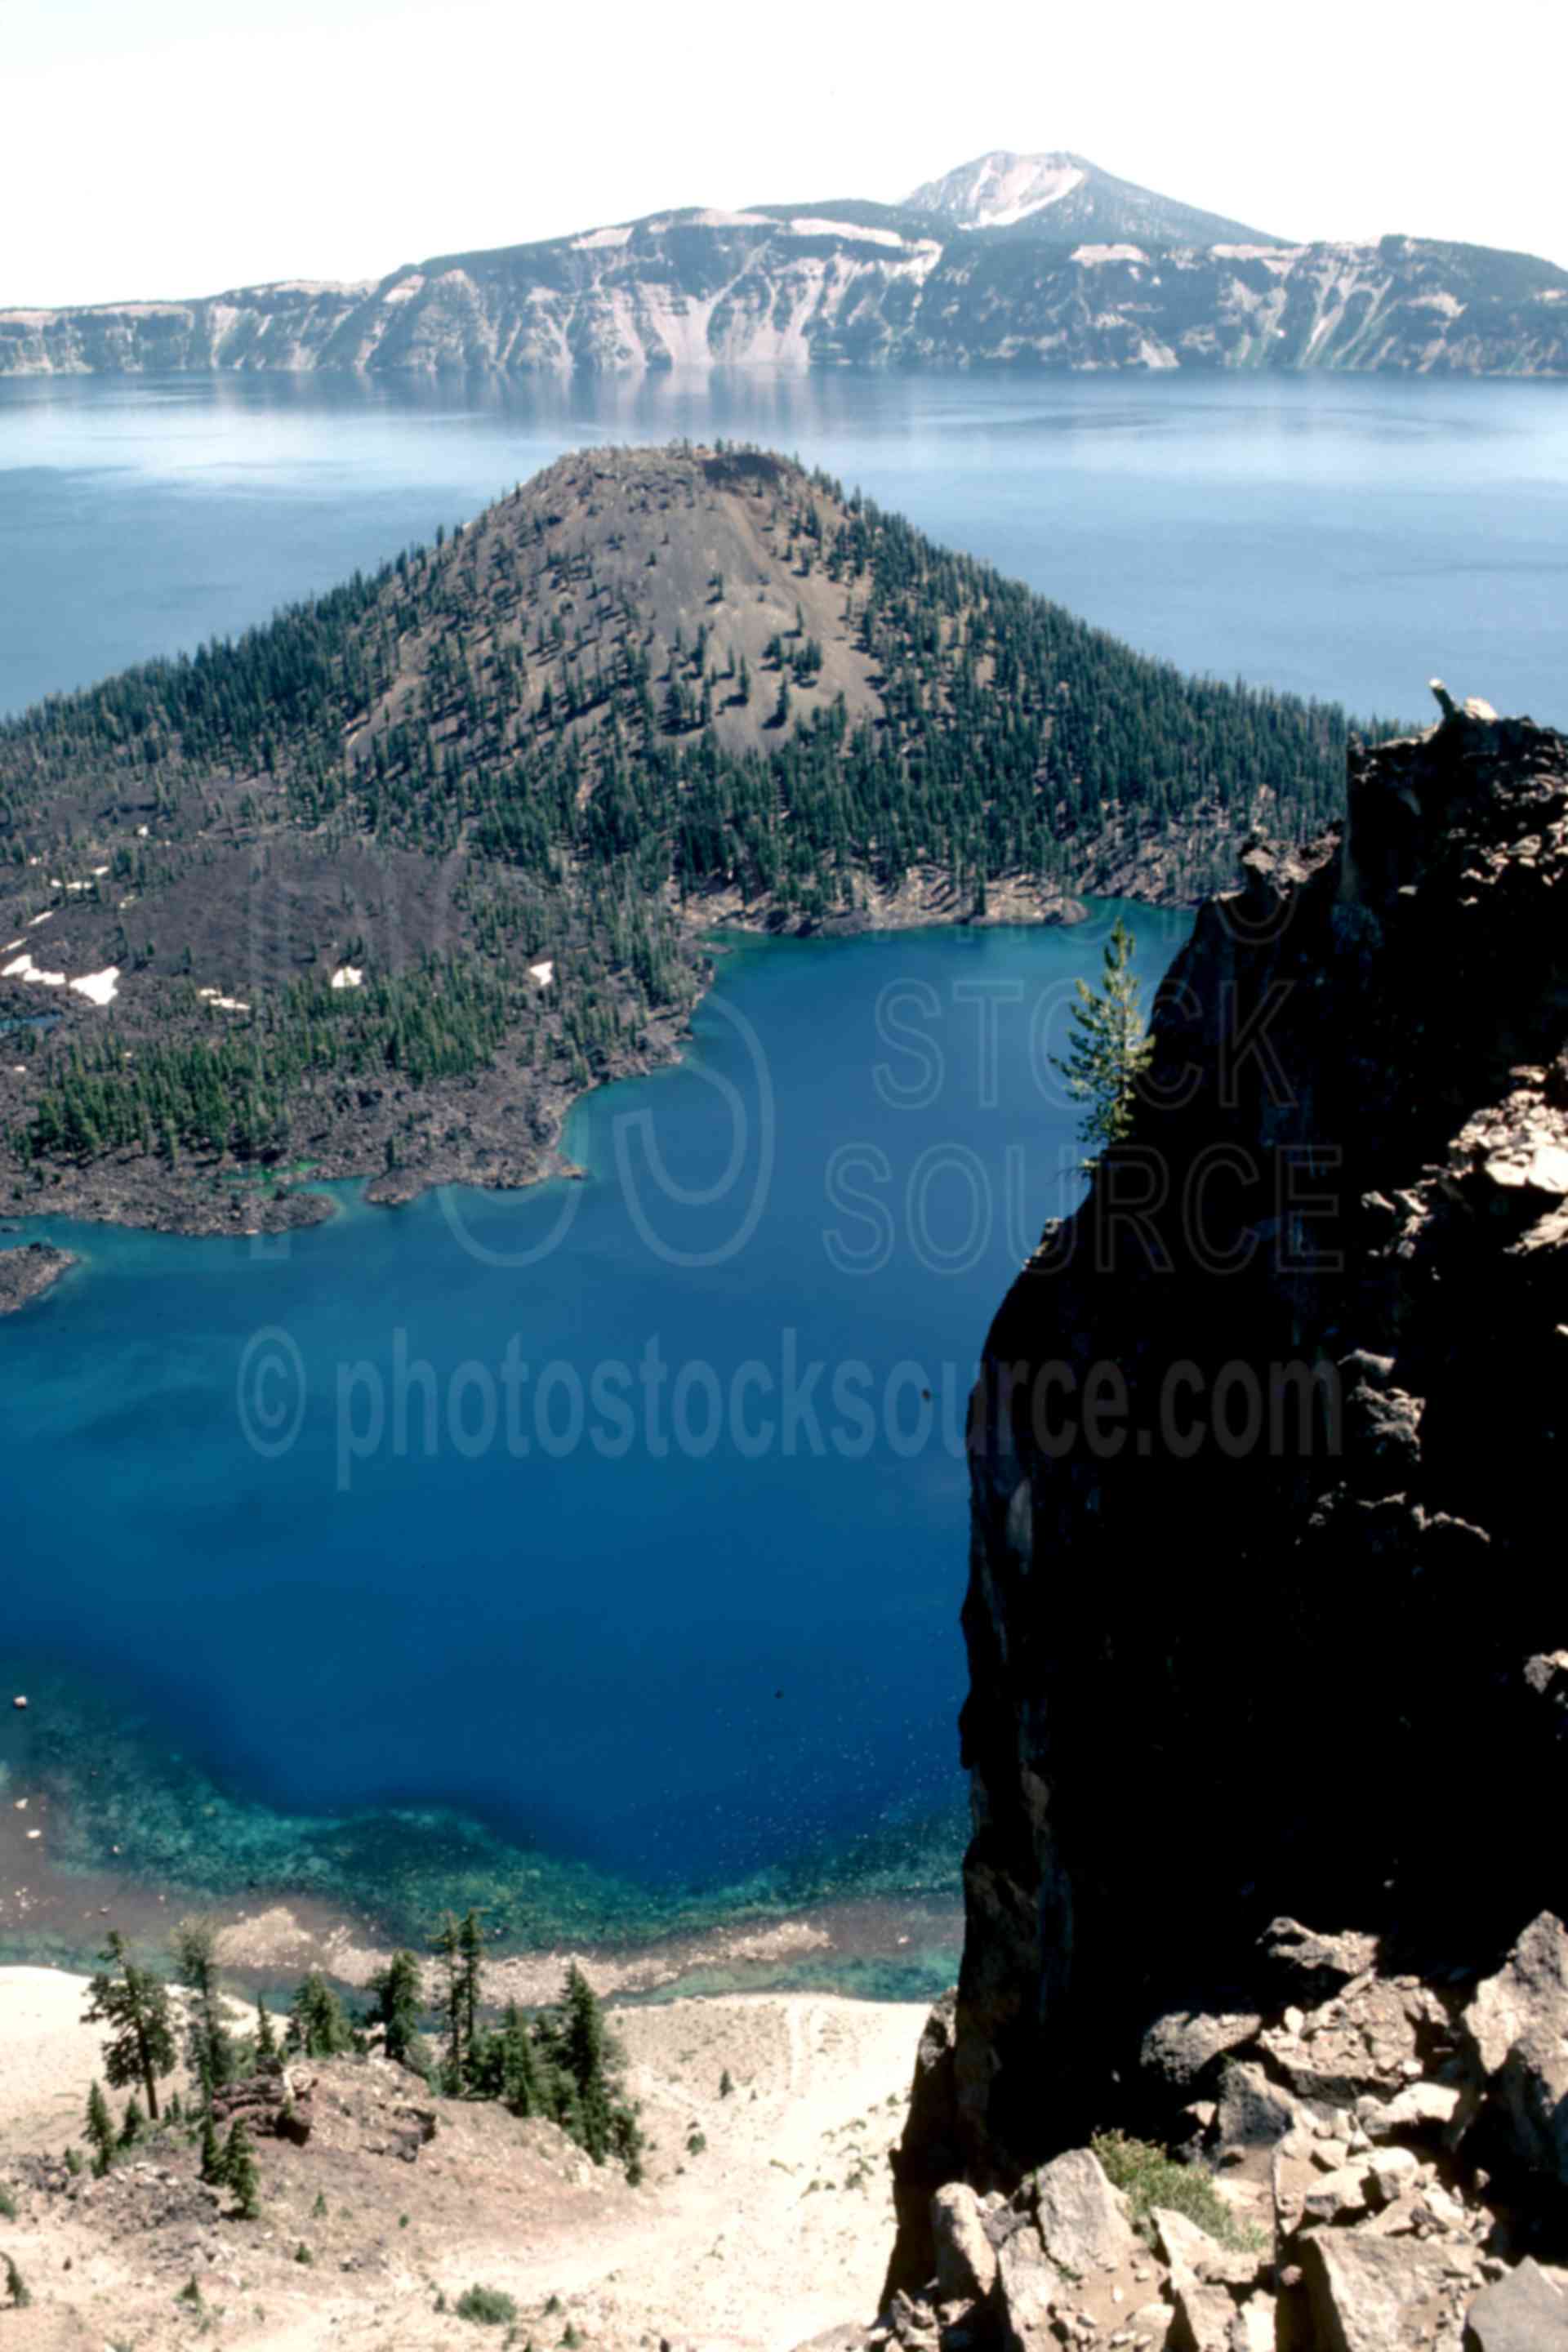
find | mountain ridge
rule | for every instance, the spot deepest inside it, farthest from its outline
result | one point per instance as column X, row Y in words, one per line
column 1096, row 275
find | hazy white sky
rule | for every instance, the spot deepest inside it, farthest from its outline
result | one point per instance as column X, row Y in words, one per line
column 171, row 147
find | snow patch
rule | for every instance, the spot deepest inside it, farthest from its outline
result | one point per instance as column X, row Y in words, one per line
column 1012, row 187
column 714, row 220
column 542, row 973
column 808, row 226
column 1278, row 257
column 403, row 292
column 98, row 987
column 221, row 1003
column 597, row 239
column 1090, row 254
column 348, row 975
column 47, row 916
column 26, row 970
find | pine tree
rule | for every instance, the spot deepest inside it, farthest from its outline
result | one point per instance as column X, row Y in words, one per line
column 317, row 2026
column 212, row 2154
column 449, row 1948
column 583, row 2085
column 99, row 2129
column 135, row 2124
column 1110, row 1050
column 398, row 1993
column 520, row 2087
column 268, row 2056
column 471, row 1963
column 135, row 2006
column 239, row 2173
column 211, row 2044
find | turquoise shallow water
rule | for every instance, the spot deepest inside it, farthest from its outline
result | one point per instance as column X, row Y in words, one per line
column 596, row 1549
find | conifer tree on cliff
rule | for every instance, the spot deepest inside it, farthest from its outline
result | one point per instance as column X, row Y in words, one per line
column 134, row 2005
column 397, row 2010
column 586, row 2061
column 471, row 1962
column 268, row 2056
column 239, row 2171
column 211, row 2044
column 317, row 2026
column 1110, row 1049
column 99, row 2129
column 520, row 2087
column 449, row 1949
column 460, row 1944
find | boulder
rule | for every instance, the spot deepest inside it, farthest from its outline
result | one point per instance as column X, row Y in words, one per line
column 1301, row 1965
column 275, row 2106
column 1183, row 2050
column 1029, row 2289
column 1206, row 2284
column 1391, row 2172
column 1516, row 2032
column 1522, row 2312
column 966, row 2257
column 1083, row 2221
column 1366, row 2294
column 1187, row 2247
column 1253, row 2113
column 1421, row 2111
column 1338, row 2195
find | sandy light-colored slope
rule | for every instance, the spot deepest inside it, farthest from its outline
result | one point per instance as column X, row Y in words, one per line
column 765, row 2217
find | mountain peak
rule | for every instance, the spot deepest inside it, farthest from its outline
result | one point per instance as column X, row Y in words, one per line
column 1064, row 197
column 999, row 189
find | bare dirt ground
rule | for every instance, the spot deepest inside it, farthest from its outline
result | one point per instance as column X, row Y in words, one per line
column 765, row 2217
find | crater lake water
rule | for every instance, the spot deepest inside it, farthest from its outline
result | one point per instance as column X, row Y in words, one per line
column 597, row 1551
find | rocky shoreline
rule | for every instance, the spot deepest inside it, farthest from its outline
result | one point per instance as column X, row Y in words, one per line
column 29, row 1272
column 471, row 1130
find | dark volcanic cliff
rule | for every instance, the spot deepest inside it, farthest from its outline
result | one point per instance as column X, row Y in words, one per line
column 1266, row 1474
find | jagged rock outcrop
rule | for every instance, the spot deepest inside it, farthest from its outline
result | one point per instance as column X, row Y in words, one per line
column 1359, row 2179
column 1264, row 1450
column 1262, row 1625
column 274, row 2104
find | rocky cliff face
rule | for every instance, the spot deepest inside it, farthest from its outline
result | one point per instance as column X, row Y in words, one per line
column 853, row 283
column 1265, row 1618
column 1265, row 1448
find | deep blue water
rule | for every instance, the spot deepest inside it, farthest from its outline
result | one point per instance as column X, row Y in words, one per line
column 1342, row 536
column 628, row 1670
column 296, row 1501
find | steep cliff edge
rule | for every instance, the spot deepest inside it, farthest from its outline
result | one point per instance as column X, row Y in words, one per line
column 1266, row 1474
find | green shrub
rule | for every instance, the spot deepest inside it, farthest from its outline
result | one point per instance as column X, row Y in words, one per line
column 486, row 2307
column 1149, row 2178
